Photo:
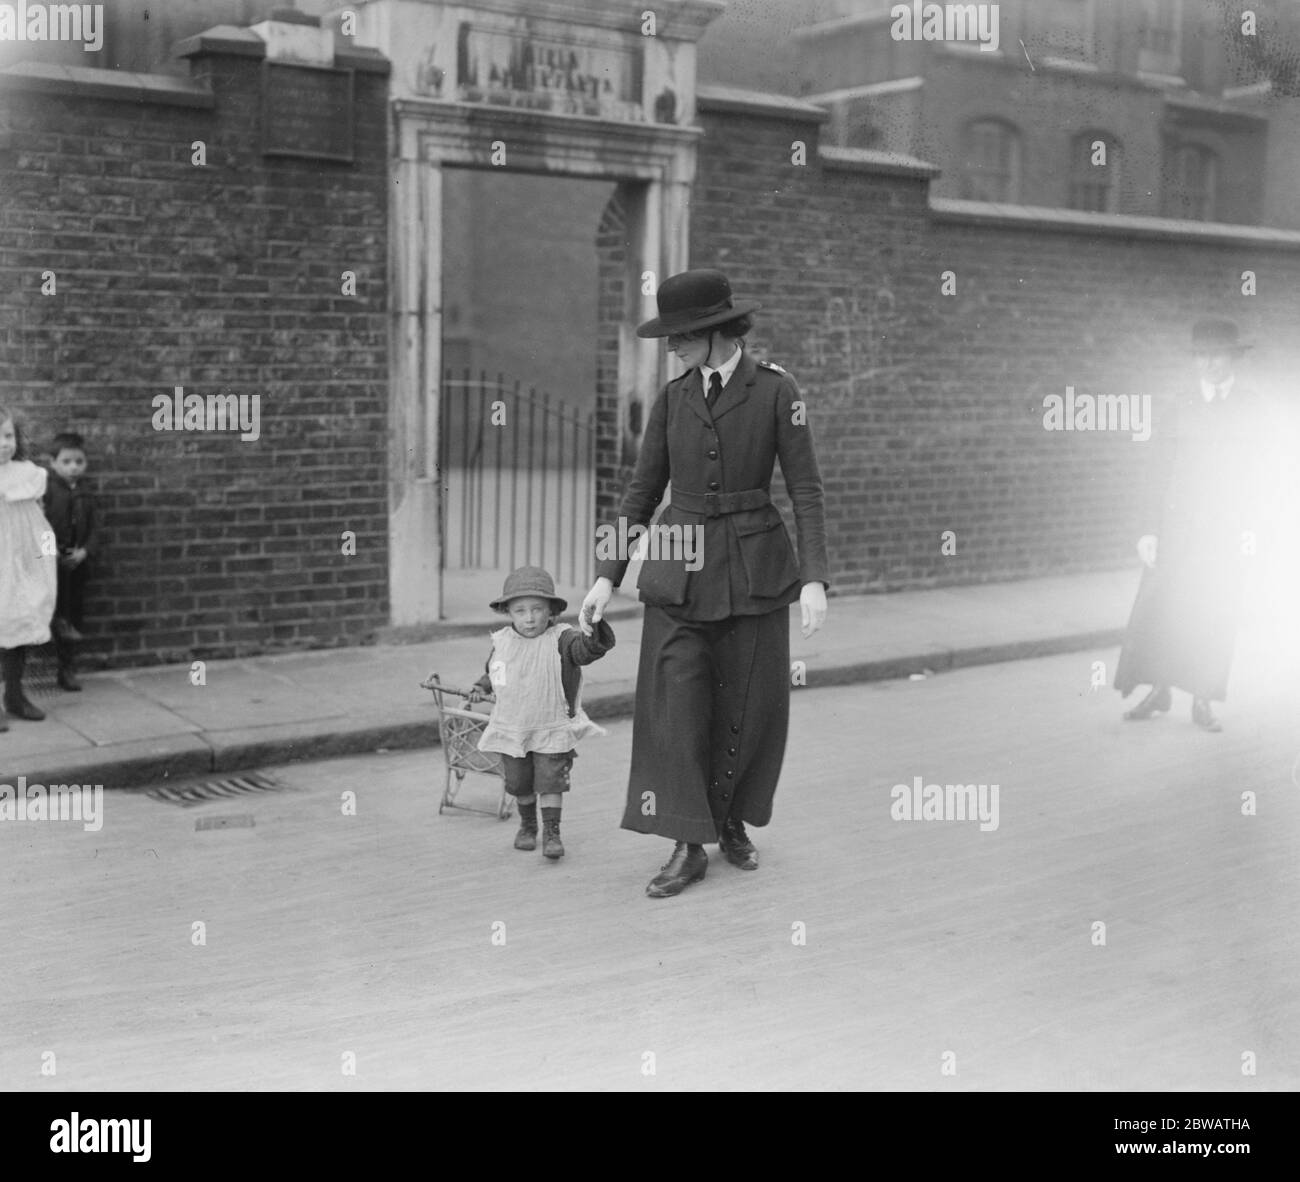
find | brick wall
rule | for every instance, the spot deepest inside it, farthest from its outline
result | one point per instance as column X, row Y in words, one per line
column 220, row 279
column 928, row 409
column 226, row 279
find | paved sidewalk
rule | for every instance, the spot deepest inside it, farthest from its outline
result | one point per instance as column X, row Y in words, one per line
column 136, row 727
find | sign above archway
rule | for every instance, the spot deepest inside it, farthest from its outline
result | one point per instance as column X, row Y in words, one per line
column 548, row 70
column 619, row 60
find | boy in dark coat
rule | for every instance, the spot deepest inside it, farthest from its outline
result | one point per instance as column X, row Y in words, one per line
column 70, row 510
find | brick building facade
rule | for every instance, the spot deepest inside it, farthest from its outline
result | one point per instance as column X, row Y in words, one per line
column 219, row 278
column 928, row 407
column 1196, row 117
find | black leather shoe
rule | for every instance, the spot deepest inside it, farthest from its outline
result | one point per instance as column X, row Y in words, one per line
column 736, row 847
column 526, row 838
column 1203, row 716
column 68, row 681
column 687, row 865
column 1158, row 700
column 24, row 709
column 4, row 726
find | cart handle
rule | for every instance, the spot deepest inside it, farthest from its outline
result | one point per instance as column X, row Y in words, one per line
column 432, row 683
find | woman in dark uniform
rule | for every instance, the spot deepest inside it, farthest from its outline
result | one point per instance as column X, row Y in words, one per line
column 713, row 684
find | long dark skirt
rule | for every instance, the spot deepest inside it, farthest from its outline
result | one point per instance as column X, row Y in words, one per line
column 709, row 729
column 1183, row 628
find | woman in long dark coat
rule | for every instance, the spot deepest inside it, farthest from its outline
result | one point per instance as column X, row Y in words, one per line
column 1183, row 626
column 713, row 684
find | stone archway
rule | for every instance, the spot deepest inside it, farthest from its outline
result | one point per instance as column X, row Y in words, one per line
column 577, row 88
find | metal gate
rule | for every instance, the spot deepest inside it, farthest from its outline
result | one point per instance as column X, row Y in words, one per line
column 518, row 478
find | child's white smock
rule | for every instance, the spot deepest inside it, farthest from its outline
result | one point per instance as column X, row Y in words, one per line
column 531, row 713
column 28, row 558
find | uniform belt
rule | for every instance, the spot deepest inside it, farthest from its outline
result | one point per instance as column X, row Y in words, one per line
column 718, row 504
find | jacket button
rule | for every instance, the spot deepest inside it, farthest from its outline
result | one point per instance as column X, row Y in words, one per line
column 731, row 751
column 713, row 455
column 714, row 486
column 735, row 730
column 730, row 774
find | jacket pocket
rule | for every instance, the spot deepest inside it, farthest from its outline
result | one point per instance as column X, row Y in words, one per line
column 661, row 581
column 769, row 558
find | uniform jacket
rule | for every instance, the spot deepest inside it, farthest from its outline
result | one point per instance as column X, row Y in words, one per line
column 747, row 565
column 576, row 650
column 71, row 514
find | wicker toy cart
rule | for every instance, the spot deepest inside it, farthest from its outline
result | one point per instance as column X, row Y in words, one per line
column 459, row 728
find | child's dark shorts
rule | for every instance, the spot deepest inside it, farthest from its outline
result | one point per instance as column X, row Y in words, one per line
column 538, row 772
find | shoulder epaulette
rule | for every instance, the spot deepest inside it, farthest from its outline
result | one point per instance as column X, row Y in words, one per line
column 771, row 365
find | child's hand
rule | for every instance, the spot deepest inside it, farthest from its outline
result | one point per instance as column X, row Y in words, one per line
column 77, row 557
column 474, row 696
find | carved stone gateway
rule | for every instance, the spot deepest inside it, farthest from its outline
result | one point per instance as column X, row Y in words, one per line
column 583, row 88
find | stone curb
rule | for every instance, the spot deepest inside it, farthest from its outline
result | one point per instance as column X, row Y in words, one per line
column 147, row 763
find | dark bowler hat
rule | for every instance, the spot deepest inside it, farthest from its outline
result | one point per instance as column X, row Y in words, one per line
column 1216, row 336
column 529, row 580
column 694, row 300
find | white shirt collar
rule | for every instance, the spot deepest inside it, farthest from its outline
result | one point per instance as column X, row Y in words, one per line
column 725, row 370
column 1209, row 390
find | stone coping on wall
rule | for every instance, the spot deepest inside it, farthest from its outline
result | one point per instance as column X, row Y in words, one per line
column 875, row 161
column 84, row 82
column 234, row 41
column 736, row 100
column 987, row 213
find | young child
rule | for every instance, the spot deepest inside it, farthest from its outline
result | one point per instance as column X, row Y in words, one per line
column 535, row 671
column 70, row 509
column 27, row 565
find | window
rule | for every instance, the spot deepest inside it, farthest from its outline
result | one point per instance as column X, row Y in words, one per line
column 991, row 162
column 1094, row 172
column 1160, row 37
column 1191, row 183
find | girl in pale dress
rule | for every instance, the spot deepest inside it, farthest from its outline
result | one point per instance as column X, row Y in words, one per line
column 28, row 565
column 535, row 671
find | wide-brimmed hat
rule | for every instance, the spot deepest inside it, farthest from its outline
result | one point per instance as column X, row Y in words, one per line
column 1214, row 335
column 694, row 300
column 529, row 580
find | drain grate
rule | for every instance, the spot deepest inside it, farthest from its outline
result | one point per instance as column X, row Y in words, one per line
column 242, row 821
column 188, row 795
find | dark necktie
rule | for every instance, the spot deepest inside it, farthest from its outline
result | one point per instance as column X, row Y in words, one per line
column 715, row 386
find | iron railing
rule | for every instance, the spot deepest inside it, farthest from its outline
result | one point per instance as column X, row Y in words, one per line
column 518, row 477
